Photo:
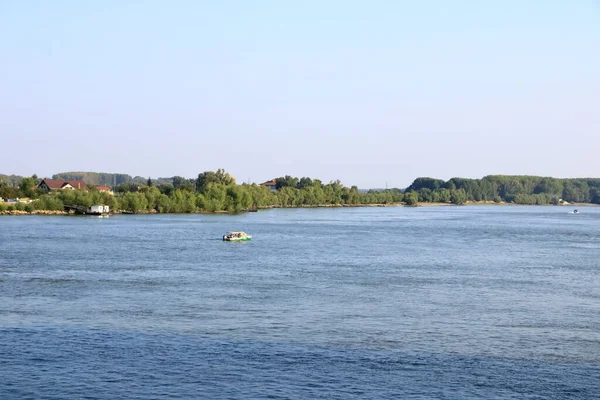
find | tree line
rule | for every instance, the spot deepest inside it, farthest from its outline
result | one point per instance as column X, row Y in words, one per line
column 213, row 191
column 509, row 189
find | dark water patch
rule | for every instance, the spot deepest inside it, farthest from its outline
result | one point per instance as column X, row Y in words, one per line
column 55, row 281
column 108, row 364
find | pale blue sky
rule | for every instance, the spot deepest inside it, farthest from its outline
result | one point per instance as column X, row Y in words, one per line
column 367, row 92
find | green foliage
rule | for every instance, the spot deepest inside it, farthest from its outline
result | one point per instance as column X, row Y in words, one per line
column 49, row 202
column 183, row 201
column 514, row 189
column 8, row 192
column 304, row 182
column 107, row 179
column 28, row 186
column 208, row 177
column 442, row 196
column 215, row 196
column 133, row 202
column 217, row 191
column 126, row 187
column 286, row 181
column 458, row 196
column 10, row 180
column 425, row 183
column 166, row 188
column 411, row 198
column 181, row 183
column 535, row 199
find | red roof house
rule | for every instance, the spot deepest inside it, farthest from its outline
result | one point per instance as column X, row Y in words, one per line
column 60, row 184
column 272, row 184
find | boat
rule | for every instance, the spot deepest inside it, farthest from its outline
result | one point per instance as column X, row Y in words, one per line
column 575, row 212
column 236, row 237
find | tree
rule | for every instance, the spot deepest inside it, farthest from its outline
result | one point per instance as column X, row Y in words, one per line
column 134, row 202
column 8, row 192
column 166, row 188
column 215, row 197
column 425, row 183
column 208, row 177
column 28, row 186
column 425, row 194
column 458, row 196
column 286, row 181
column 411, row 198
column 442, row 196
column 304, row 182
column 182, row 183
column 126, row 187
column 149, row 183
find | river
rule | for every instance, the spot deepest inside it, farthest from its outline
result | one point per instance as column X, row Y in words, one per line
column 494, row 302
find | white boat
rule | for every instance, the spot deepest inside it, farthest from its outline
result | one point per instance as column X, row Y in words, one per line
column 236, row 237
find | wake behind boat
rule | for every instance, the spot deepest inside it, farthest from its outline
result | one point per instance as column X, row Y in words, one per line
column 236, row 237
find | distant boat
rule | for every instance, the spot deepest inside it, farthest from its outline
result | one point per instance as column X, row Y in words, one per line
column 236, row 237
column 574, row 212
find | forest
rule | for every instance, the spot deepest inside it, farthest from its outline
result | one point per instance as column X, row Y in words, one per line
column 510, row 189
column 216, row 191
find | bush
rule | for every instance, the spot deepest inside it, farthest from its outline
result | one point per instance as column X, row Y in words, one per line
column 2, row 207
column 29, row 208
column 48, row 203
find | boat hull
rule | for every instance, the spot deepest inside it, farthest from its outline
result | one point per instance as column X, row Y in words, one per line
column 244, row 239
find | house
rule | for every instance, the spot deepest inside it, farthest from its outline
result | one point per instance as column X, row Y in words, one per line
column 105, row 189
column 272, row 184
column 60, row 184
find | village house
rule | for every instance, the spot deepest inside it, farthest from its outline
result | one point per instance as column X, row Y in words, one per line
column 105, row 189
column 272, row 185
column 60, row 184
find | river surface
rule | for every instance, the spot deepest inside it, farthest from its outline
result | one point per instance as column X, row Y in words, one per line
column 481, row 302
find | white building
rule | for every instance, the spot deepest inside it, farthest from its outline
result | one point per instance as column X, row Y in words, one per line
column 98, row 210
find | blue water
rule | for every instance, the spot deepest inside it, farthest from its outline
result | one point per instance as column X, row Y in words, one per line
column 354, row 303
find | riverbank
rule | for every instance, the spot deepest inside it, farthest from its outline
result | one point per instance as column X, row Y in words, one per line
column 421, row 204
column 34, row 212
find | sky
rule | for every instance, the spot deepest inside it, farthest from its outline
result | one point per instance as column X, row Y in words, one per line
column 372, row 93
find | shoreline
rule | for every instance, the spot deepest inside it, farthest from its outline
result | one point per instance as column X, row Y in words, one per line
column 421, row 204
